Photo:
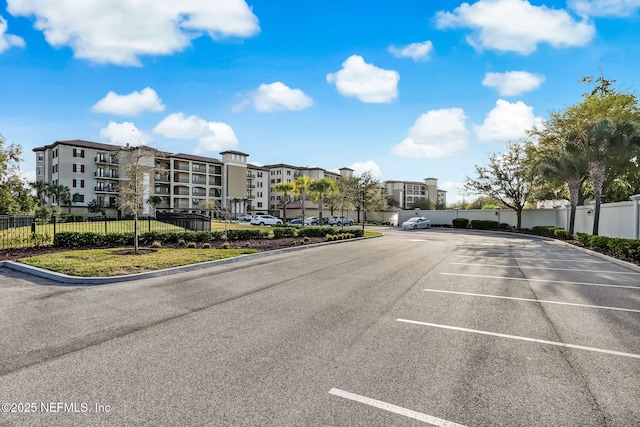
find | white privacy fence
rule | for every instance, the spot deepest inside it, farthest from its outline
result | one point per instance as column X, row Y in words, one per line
column 621, row 219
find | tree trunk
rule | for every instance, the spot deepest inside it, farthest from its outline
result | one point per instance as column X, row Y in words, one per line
column 320, row 211
column 519, row 216
column 574, row 196
column 597, row 175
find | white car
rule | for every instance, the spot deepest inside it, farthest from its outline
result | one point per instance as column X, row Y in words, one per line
column 265, row 220
column 416, row 222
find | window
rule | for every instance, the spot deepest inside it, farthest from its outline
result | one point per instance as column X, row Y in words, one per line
column 78, row 183
column 259, row 204
column 78, row 168
column 279, row 180
column 288, row 172
column 259, row 174
column 54, row 153
column 259, row 194
column 40, row 156
column 79, row 198
column 273, row 181
column 39, row 170
column 77, row 152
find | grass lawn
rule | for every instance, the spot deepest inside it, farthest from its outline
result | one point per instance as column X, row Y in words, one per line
column 104, row 262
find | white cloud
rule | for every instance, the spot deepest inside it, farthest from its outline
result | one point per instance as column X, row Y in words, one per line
column 365, row 81
column 416, row 51
column 605, row 7
column 119, row 32
column 369, row 166
column 124, row 133
column 507, row 122
column 434, row 135
column 513, row 83
column 211, row 136
column 516, row 25
column 129, row 105
column 8, row 40
column 275, row 97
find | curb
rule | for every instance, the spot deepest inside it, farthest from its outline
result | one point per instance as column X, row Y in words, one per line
column 67, row 280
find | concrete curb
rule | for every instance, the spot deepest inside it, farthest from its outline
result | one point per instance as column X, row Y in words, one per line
column 66, row 280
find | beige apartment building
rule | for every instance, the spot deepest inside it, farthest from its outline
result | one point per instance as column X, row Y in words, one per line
column 186, row 182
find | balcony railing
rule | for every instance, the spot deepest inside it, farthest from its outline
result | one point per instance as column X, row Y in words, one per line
column 251, row 186
column 105, row 159
column 106, row 189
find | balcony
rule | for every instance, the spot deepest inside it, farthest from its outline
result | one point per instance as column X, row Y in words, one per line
column 199, row 181
column 162, row 191
column 105, row 159
column 199, row 193
column 181, row 167
column 106, row 189
column 199, row 169
column 251, row 186
column 161, row 178
column 251, row 175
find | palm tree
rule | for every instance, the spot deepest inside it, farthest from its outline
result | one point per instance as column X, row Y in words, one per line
column 62, row 193
column 568, row 165
column 301, row 185
column 42, row 190
column 320, row 189
column 606, row 143
column 287, row 189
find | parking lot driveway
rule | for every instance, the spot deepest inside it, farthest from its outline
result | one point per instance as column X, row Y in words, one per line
column 443, row 327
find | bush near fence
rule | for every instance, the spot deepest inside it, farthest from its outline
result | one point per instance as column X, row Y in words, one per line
column 628, row 249
column 460, row 223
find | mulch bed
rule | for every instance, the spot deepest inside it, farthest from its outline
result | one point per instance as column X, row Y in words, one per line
column 260, row 245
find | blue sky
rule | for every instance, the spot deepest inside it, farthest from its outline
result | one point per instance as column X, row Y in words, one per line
column 408, row 89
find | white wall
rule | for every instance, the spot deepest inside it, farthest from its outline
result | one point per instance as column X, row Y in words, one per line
column 621, row 219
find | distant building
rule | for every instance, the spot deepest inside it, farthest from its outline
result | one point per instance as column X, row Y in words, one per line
column 407, row 192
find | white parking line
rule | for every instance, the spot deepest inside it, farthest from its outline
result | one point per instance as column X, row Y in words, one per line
column 533, row 300
column 535, row 259
column 515, row 337
column 545, row 268
column 395, row 409
column 637, row 288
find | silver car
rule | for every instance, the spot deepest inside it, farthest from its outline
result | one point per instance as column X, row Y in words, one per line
column 339, row 220
column 265, row 220
column 416, row 222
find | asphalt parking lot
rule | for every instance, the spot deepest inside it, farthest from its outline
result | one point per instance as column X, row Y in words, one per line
column 443, row 327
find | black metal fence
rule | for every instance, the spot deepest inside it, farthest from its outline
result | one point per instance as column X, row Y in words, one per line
column 27, row 231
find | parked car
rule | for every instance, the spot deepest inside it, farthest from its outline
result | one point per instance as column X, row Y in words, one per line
column 244, row 217
column 312, row 220
column 295, row 221
column 416, row 222
column 340, row 220
column 265, row 220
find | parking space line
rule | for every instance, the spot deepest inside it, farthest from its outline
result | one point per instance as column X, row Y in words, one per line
column 535, row 259
column 546, row 268
column 637, row 288
column 515, row 337
column 533, row 300
column 393, row 408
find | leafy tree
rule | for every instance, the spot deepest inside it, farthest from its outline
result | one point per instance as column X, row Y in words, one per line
column 320, row 189
column 367, row 195
column 507, row 178
column 14, row 196
column 287, row 189
column 344, row 198
column 155, row 200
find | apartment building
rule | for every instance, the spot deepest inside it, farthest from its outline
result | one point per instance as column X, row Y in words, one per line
column 407, row 192
column 207, row 185
column 93, row 170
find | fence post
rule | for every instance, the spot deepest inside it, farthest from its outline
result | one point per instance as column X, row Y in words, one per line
column 636, row 216
column 53, row 219
column 149, row 218
column 105, row 225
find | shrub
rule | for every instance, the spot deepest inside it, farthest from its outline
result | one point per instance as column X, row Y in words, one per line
column 560, row 233
column 182, row 243
column 504, row 226
column 583, row 238
column 226, row 245
column 544, row 230
column 247, row 234
column 305, row 240
column 600, row 242
column 156, row 244
column 316, row 231
column 191, row 245
column 283, row 232
column 206, row 245
column 481, row 224
column 460, row 223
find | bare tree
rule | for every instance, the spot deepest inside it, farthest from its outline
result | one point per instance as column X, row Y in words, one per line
column 138, row 165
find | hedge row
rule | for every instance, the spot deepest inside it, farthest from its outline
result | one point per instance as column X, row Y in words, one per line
column 626, row 248
column 551, row 231
column 84, row 240
column 479, row 224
